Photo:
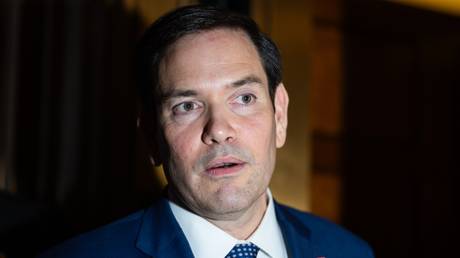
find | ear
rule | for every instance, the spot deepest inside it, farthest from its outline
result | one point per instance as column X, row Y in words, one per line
column 281, row 118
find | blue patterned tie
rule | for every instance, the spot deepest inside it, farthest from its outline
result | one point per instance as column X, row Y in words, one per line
column 247, row 250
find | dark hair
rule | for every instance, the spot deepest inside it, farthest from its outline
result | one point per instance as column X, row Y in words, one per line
column 165, row 31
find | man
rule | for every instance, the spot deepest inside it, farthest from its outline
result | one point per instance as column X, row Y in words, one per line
column 214, row 111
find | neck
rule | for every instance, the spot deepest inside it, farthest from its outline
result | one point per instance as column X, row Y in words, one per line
column 243, row 226
column 240, row 225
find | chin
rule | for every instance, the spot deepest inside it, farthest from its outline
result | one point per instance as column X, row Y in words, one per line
column 232, row 201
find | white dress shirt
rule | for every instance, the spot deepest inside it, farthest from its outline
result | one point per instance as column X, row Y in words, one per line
column 208, row 241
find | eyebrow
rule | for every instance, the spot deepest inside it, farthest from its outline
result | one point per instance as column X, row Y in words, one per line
column 176, row 93
column 247, row 80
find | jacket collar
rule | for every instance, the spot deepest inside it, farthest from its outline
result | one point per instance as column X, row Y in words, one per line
column 296, row 234
column 160, row 235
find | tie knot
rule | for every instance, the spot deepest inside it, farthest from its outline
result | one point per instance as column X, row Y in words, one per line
column 246, row 250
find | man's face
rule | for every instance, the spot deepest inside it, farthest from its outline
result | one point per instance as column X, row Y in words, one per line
column 218, row 121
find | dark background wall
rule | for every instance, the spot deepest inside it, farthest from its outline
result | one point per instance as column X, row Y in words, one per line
column 401, row 124
column 75, row 161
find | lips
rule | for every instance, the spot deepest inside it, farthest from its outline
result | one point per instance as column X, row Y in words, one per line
column 224, row 166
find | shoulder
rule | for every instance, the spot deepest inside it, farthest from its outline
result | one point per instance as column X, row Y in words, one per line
column 325, row 236
column 116, row 239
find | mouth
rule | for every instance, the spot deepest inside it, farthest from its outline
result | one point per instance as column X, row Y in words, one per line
column 224, row 166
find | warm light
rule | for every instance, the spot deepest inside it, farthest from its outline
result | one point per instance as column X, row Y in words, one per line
column 446, row 6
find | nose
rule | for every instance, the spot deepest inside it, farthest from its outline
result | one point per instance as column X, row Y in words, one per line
column 219, row 128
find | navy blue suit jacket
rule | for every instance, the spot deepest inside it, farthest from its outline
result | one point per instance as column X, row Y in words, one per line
column 154, row 232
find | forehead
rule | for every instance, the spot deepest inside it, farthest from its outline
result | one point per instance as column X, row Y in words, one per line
column 209, row 55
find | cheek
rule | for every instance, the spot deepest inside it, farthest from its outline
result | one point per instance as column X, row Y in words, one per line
column 259, row 131
column 183, row 143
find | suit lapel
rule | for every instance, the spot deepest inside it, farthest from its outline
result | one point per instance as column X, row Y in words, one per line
column 160, row 236
column 296, row 235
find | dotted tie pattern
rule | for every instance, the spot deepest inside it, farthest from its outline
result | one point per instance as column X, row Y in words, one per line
column 246, row 250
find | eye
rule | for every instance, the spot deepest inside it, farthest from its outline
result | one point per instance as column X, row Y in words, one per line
column 246, row 99
column 185, row 107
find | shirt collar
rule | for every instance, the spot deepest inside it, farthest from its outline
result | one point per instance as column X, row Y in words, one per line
column 268, row 236
column 208, row 241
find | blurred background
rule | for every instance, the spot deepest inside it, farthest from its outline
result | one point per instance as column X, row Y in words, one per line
column 373, row 123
